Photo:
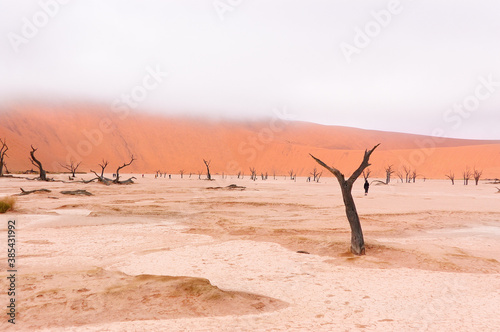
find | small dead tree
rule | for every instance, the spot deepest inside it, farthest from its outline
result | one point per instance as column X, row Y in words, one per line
column 207, row 164
column 72, row 167
column 37, row 163
column 413, row 175
column 253, row 174
column 181, row 172
column 3, row 154
column 477, row 175
column 239, row 174
column 314, row 174
column 319, row 177
column 400, row 176
column 388, row 172
column 117, row 179
column 451, row 176
column 407, row 171
column 199, row 174
column 290, row 173
column 466, row 174
column 357, row 241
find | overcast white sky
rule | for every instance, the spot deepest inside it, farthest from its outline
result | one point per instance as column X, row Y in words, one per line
column 242, row 59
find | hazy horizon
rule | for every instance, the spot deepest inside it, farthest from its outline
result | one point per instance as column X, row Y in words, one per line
column 403, row 66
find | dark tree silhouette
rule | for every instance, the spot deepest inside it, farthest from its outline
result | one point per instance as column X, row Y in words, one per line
column 467, row 174
column 37, row 163
column 315, row 174
column 3, row 154
column 414, row 175
column 407, row 171
column 181, row 172
column 400, row 176
column 207, row 164
column 477, row 175
column 451, row 176
column 71, row 167
column 357, row 241
column 388, row 172
column 117, row 179
column 253, row 174
column 290, row 173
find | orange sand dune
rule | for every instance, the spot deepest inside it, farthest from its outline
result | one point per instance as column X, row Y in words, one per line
column 90, row 134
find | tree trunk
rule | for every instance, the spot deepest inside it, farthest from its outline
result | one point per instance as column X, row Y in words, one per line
column 357, row 240
column 1, row 168
column 35, row 162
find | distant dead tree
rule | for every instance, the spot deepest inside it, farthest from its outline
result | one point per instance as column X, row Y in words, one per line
column 388, row 172
column 181, row 172
column 413, row 175
column 319, row 176
column 314, row 174
column 466, row 174
column 72, row 167
column 3, row 154
column 253, row 174
column 239, row 174
column 101, row 177
column 290, row 173
column 207, row 164
column 274, row 175
column 451, row 176
column 357, row 241
column 37, row 163
column 477, row 175
column 400, row 176
column 199, row 174
column 117, row 179
column 407, row 171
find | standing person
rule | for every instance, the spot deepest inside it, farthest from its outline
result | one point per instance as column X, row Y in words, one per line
column 366, row 186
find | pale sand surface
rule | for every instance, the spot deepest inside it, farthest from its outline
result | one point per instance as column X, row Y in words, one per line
column 103, row 262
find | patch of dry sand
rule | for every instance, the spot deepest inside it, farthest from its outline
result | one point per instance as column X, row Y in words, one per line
column 431, row 263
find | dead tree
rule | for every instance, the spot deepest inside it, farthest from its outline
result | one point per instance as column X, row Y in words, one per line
column 407, row 171
column 413, row 175
column 451, row 176
column 357, row 241
column 207, row 164
column 477, row 175
column 199, row 174
column 117, row 179
column 466, row 174
column 3, row 154
column 181, row 172
column 103, row 167
column 388, row 172
column 239, row 174
column 314, row 174
column 319, row 177
column 290, row 173
column 253, row 174
column 37, row 163
column 101, row 177
column 71, row 167
column 400, row 176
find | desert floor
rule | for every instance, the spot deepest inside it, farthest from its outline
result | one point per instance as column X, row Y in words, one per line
column 174, row 255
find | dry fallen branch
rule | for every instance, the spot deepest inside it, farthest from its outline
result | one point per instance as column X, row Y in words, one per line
column 27, row 192
column 76, row 192
column 230, row 187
